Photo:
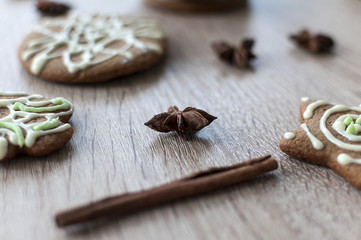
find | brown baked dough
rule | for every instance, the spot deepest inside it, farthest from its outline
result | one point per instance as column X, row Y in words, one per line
column 48, row 141
column 301, row 146
column 144, row 31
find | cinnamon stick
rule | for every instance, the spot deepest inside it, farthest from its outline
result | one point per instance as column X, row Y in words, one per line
column 201, row 182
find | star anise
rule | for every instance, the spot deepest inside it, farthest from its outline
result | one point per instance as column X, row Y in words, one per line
column 52, row 8
column 241, row 56
column 224, row 51
column 185, row 123
column 318, row 43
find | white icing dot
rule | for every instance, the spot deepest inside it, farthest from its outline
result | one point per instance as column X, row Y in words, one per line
column 289, row 135
column 345, row 159
column 305, row 99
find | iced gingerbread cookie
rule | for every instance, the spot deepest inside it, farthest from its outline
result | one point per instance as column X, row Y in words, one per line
column 330, row 135
column 83, row 49
column 32, row 125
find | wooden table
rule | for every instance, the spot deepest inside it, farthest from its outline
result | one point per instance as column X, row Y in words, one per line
column 113, row 152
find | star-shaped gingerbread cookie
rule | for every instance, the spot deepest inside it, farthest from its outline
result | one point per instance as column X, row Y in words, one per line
column 330, row 135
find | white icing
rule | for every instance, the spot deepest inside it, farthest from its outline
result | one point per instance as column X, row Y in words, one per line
column 21, row 119
column 340, row 127
column 345, row 159
column 328, row 134
column 88, row 37
column 316, row 143
column 308, row 113
column 358, row 127
column 12, row 93
column 289, row 135
column 305, row 99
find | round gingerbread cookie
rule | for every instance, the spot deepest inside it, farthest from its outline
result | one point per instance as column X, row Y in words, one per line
column 33, row 125
column 91, row 48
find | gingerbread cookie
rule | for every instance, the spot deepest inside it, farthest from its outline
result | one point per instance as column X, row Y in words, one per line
column 330, row 135
column 83, row 49
column 32, row 125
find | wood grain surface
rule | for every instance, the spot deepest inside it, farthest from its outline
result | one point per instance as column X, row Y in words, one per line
column 112, row 151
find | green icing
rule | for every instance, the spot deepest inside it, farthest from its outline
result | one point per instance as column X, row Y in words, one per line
column 47, row 125
column 351, row 129
column 358, row 120
column 59, row 102
column 348, row 120
column 15, row 128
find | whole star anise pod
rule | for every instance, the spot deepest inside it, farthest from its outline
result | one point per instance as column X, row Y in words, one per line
column 243, row 54
column 185, row 123
column 318, row 43
column 240, row 56
column 52, row 8
column 224, row 51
